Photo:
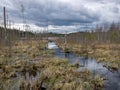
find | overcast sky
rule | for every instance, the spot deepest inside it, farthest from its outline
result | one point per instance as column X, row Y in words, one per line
column 62, row 14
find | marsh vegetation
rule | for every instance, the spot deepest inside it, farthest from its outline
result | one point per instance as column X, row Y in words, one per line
column 101, row 44
column 27, row 64
column 32, row 67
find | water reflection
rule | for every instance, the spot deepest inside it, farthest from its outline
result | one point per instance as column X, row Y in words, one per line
column 84, row 62
column 112, row 81
column 52, row 45
column 66, row 55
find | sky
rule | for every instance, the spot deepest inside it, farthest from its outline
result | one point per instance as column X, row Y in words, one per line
column 61, row 15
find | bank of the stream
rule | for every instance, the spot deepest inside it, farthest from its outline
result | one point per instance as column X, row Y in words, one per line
column 111, row 74
column 30, row 66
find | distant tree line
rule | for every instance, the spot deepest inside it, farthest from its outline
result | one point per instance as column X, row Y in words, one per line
column 12, row 35
column 97, row 35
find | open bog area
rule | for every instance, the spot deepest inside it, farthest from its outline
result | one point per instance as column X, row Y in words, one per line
column 59, row 45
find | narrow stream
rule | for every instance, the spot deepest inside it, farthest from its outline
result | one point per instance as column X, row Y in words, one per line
column 113, row 78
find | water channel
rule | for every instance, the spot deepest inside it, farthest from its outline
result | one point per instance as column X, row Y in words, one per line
column 112, row 81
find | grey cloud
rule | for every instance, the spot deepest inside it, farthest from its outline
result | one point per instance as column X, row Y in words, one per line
column 57, row 12
column 115, row 10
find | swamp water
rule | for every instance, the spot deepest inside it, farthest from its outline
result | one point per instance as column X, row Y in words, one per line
column 112, row 78
column 112, row 81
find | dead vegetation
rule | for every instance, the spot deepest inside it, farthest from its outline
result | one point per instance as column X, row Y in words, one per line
column 31, row 67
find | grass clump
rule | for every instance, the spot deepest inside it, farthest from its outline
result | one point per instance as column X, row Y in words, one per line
column 58, row 74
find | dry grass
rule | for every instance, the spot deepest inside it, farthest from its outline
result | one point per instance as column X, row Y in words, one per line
column 54, row 73
column 104, row 52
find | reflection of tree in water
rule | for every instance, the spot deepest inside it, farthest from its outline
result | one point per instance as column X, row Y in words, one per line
column 84, row 61
column 119, row 72
column 119, row 81
column 29, row 75
column 66, row 55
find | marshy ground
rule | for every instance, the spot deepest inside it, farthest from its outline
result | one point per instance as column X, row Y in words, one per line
column 28, row 65
column 106, row 53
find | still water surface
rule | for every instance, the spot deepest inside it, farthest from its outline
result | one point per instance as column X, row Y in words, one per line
column 113, row 77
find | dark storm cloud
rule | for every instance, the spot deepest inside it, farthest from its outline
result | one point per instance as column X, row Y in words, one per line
column 63, row 12
column 58, row 13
